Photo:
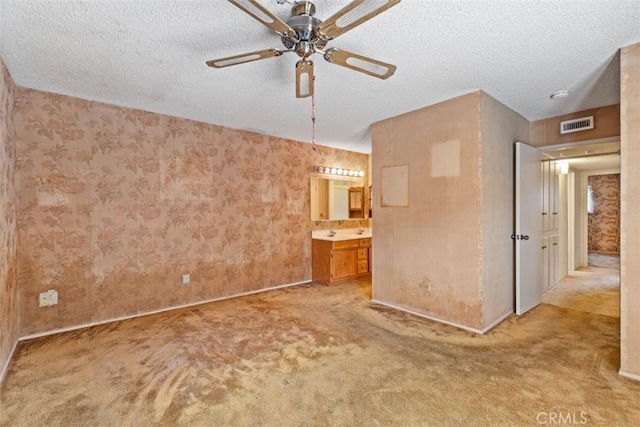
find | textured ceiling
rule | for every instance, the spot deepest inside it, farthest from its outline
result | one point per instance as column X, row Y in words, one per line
column 151, row 55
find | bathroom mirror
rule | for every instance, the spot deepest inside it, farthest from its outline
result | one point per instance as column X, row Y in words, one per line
column 337, row 199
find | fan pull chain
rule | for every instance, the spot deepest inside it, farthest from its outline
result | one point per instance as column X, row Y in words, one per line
column 313, row 114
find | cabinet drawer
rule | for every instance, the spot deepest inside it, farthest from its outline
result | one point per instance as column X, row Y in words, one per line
column 345, row 244
column 365, row 242
column 363, row 254
column 363, row 267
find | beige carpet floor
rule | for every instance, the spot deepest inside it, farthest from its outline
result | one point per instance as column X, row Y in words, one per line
column 314, row 355
column 590, row 289
column 605, row 260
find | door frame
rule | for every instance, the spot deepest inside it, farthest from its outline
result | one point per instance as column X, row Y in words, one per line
column 584, row 216
column 580, row 222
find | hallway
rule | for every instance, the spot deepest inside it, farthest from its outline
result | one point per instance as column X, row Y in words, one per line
column 593, row 289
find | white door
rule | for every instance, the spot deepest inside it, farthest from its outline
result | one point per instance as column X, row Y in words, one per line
column 528, row 232
column 546, row 249
column 546, row 209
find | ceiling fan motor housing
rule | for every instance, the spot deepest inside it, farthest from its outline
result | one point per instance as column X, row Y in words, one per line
column 306, row 41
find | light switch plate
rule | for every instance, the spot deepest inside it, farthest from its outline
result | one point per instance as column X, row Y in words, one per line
column 48, row 299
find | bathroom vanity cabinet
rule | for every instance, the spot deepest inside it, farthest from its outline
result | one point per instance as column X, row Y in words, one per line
column 340, row 260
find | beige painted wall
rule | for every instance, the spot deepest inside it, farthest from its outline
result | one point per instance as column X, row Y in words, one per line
column 451, row 235
column 501, row 127
column 8, row 227
column 606, row 125
column 115, row 204
column 630, row 210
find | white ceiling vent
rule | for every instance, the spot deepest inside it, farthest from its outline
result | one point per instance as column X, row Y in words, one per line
column 576, row 125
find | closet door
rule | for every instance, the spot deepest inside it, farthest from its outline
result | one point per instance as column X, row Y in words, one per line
column 554, row 195
column 545, row 196
column 545, row 263
column 554, row 264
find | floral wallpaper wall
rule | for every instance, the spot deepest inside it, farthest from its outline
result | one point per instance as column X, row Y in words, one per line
column 117, row 204
column 8, row 286
column 604, row 222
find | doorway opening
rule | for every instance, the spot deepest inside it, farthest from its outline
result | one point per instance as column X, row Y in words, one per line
column 603, row 223
column 590, row 210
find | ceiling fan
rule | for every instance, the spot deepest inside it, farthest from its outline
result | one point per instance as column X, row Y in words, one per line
column 305, row 34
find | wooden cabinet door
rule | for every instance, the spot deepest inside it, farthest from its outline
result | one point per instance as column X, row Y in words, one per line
column 345, row 264
column 356, row 202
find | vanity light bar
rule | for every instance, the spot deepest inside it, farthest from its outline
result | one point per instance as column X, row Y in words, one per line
column 338, row 171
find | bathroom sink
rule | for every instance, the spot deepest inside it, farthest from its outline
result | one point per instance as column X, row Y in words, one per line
column 341, row 234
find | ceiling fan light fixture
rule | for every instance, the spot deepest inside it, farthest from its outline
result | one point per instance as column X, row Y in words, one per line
column 559, row 94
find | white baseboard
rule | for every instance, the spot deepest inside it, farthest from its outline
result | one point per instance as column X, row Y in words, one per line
column 628, row 375
column 162, row 310
column 435, row 319
column 5, row 368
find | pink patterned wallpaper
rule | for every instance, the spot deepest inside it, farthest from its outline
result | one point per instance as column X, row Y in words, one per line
column 116, row 204
column 604, row 222
column 8, row 286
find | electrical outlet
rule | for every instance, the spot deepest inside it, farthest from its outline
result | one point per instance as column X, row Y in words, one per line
column 49, row 298
column 186, row 279
column 426, row 286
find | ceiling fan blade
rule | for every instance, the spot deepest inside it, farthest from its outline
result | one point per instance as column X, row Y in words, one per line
column 373, row 67
column 304, row 79
column 259, row 12
column 352, row 15
column 243, row 58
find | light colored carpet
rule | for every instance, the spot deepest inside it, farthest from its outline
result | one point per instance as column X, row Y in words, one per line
column 596, row 259
column 590, row 289
column 321, row 356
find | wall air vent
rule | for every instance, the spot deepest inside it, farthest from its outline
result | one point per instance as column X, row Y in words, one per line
column 576, row 125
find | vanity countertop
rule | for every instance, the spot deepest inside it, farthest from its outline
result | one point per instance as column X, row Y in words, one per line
column 341, row 234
